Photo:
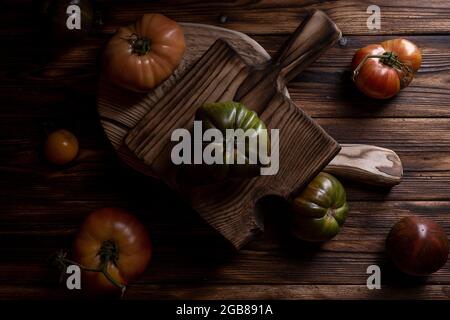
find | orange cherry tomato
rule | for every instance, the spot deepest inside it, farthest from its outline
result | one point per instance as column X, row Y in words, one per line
column 140, row 56
column 382, row 70
column 61, row 147
column 112, row 241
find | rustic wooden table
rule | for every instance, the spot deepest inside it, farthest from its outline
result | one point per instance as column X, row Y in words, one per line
column 42, row 206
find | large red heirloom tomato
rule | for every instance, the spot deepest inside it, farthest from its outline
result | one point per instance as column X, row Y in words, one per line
column 114, row 242
column 142, row 55
column 382, row 70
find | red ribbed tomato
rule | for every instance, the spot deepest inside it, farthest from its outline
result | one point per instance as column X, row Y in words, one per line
column 115, row 245
column 142, row 55
column 382, row 70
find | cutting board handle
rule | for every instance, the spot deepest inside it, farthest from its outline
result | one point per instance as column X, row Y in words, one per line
column 316, row 34
column 367, row 164
column 312, row 38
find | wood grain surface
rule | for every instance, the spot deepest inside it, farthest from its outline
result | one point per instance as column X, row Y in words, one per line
column 42, row 206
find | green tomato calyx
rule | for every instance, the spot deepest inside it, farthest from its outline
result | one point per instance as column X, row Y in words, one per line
column 139, row 45
column 108, row 252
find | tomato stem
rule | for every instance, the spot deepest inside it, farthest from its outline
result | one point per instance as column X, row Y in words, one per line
column 108, row 252
column 388, row 58
column 112, row 280
column 140, row 45
column 63, row 261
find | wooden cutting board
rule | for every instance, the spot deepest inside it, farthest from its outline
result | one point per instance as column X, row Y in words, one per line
column 229, row 207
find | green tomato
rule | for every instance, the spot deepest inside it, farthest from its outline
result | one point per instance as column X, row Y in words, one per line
column 320, row 210
column 231, row 115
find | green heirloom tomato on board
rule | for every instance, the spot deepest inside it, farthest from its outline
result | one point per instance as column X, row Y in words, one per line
column 320, row 210
column 241, row 160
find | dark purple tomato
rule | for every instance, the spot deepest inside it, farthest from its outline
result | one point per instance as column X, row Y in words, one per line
column 417, row 246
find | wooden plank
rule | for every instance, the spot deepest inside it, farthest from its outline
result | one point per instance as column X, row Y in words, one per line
column 415, row 186
column 399, row 17
column 239, row 292
column 293, row 292
column 255, row 18
column 47, row 219
column 323, row 90
column 185, row 265
column 403, row 135
column 91, row 181
column 22, row 155
column 394, row 133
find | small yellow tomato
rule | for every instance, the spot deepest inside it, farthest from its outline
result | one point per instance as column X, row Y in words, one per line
column 61, row 147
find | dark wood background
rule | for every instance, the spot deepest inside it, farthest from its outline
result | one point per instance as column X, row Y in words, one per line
column 42, row 206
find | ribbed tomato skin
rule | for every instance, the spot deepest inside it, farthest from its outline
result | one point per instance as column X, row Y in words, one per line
column 131, row 239
column 378, row 80
column 320, row 210
column 123, row 67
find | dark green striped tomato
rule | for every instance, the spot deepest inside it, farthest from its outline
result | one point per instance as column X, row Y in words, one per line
column 320, row 210
column 238, row 159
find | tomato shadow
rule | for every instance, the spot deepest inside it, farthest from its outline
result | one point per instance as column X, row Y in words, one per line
column 358, row 103
column 362, row 191
column 277, row 218
column 395, row 278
